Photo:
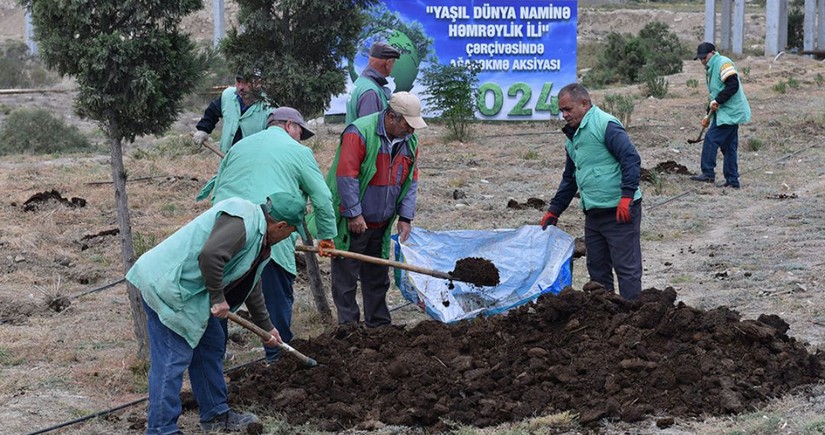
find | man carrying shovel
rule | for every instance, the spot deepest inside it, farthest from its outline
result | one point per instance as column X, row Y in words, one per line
column 197, row 275
column 727, row 109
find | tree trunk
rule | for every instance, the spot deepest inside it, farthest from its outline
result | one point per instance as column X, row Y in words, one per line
column 127, row 251
column 315, row 285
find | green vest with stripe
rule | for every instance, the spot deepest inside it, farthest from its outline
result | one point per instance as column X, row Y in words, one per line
column 736, row 110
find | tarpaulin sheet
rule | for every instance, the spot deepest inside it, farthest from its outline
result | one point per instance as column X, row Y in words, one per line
column 530, row 262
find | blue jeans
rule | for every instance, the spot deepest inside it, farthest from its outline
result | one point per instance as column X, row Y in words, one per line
column 726, row 139
column 170, row 357
column 276, row 284
column 615, row 246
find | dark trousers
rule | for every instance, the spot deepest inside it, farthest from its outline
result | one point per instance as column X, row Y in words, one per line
column 277, row 283
column 726, row 139
column 615, row 246
column 375, row 281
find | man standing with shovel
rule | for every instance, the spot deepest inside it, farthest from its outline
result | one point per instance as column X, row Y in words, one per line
column 727, row 109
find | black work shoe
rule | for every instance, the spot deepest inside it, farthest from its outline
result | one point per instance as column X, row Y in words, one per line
column 703, row 178
column 229, row 421
column 731, row 185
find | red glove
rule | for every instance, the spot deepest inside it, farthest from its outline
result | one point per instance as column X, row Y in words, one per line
column 623, row 210
column 325, row 244
column 549, row 218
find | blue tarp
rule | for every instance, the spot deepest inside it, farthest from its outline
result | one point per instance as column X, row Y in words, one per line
column 530, row 262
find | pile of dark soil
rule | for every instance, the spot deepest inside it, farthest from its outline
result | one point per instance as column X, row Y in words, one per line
column 668, row 167
column 39, row 200
column 589, row 352
column 477, row 271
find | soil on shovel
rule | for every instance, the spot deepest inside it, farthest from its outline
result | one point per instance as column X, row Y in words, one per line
column 589, row 352
column 477, row 271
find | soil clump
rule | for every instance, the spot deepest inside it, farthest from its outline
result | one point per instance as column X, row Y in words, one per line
column 477, row 271
column 589, row 352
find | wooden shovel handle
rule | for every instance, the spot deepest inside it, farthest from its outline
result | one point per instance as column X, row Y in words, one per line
column 380, row 261
column 309, row 362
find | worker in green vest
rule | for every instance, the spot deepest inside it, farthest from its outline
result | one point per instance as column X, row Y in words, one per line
column 243, row 109
column 727, row 109
column 604, row 167
column 371, row 93
column 373, row 180
column 189, row 281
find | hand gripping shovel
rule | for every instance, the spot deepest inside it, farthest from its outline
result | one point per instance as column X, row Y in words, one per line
column 309, row 362
column 699, row 139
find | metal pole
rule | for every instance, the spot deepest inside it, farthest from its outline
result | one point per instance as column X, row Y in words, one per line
column 217, row 19
column 30, row 34
column 710, row 21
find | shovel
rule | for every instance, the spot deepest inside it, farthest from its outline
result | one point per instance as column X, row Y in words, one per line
column 309, row 362
column 398, row 265
column 699, row 139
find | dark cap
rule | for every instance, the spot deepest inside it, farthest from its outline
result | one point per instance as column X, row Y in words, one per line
column 703, row 50
column 251, row 75
column 382, row 50
column 290, row 114
column 288, row 207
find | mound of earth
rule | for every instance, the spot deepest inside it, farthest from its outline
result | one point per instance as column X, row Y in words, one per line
column 590, row 352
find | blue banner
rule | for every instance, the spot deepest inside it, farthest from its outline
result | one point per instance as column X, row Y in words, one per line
column 525, row 49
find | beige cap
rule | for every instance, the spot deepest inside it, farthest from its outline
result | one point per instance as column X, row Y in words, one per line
column 408, row 105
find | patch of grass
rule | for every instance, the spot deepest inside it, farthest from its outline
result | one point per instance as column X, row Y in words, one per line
column 754, row 144
column 819, row 79
column 780, row 87
column 692, row 83
column 143, row 243
column 620, row 106
column 814, row 427
column 793, row 83
column 658, row 181
column 168, row 209
column 531, row 155
column 655, row 86
column 746, row 72
column 457, row 182
column 7, row 358
column 170, row 147
column 38, row 131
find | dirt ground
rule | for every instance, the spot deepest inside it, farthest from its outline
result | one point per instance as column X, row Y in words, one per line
column 731, row 343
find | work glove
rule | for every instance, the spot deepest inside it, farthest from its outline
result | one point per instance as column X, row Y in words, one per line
column 325, row 244
column 713, row 106
column 199, row 137
column 706, row 121
column 549, row 218
column 623, row 210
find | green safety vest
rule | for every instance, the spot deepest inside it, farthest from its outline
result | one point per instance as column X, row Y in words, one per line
column 368, row 127
column 736, row 110
column 363, row 84
column 169, row 275
column 598, row 174
column 251, row 122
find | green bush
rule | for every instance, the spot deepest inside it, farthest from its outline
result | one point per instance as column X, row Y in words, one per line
column 620, row 106
column 655, row 86
column 692, row 83
column 780, row 87
column 20, row 70
column 37, row 131
column 629, row 59
column 453, row 94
